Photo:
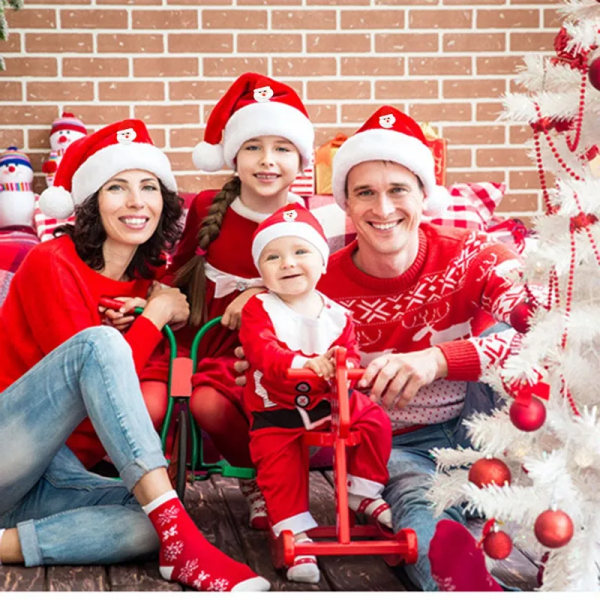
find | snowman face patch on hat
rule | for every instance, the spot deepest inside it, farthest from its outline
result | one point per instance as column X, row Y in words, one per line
column 263, row 94
column 387, row 121
column 126, row 136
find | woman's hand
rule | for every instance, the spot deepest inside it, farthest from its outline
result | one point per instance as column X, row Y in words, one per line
column 122, row 318
column 232, row 317
column 166, row 305
column 395, row 379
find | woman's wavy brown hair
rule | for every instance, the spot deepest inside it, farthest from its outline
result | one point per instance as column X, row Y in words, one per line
column 191, row 277
column 88, row 235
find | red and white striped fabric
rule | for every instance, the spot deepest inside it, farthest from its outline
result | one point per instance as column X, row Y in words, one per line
column 304, row 184
column 44, row 225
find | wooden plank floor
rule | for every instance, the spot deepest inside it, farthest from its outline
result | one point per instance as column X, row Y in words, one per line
column 221, row 512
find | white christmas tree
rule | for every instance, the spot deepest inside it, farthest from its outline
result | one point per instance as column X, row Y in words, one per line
column 535, row 462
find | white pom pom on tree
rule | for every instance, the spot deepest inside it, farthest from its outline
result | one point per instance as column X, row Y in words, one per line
column 548, row 432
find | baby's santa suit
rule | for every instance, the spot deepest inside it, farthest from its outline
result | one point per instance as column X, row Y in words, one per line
column 229, row 271
column 276, row 338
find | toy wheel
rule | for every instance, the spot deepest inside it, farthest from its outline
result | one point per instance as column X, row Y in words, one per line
column 287, row 543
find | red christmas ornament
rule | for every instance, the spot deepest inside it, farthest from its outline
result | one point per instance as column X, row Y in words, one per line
column 594, row 73
column 553, row 528
column 520, row 316
column 527, row 415
column 486, row 471
column 497, row 544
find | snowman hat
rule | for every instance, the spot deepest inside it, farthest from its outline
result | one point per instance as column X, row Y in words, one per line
column 389, row 134
column 68, row 121
column 12, row 156
column 290, row 220
column 92, row 160
column 254, row 105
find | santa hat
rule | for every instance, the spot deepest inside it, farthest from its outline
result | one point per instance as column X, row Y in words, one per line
column 92, row 160
column 389, row 134
column 254, row 105
column 12, row 156
column 68, row 121
column 290, row 220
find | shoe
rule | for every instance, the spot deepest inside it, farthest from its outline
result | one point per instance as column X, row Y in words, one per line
column 375, row 508
column 257, row 507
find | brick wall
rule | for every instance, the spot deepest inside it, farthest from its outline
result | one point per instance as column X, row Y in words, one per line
column 168, row 61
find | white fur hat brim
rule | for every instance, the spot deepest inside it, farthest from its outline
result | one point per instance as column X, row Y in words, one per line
column 383, row 144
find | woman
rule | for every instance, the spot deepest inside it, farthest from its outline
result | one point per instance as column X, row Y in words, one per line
column 60, row 366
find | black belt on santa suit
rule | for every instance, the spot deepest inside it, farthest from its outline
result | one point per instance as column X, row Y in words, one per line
column 292, row 418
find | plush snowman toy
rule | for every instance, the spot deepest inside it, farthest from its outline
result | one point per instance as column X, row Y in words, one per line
column 16, row 193
column 65, row 130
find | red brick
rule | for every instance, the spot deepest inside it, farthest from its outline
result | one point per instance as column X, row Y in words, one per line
column 405, row 2
column 338, row 42
column 470, row 2
column 11, row 137
column 271, row 43
column 130, row 43
column 444, row 19
column 169, row 114
column 333, row 90
column 406, row 42
column 11, row 91
column 30, row 2
column 526, row 42
column 164, row 19
column 13, row 43
column 529, row 2
column 507, row 18
column 522, row 179
column 337, row 2
column 372, row 65
column 234, row 19
column 393, row 88
column 497, row 65
column 30, row 67
column 98, row 115
column 233, row 67
column 303, row 19
column 27, row 114
column 324, row 134
column 39, row 138
column 180, row 160
column 488, row 111
column 473, row 134
column 93, row 19
column 25, row 18
column 473, row 88
column 75, row 91
column 134, row 91
column 552, row 19
column 57, row 43
column 459, row 158
column 440, row 111
column 514, row 202
column 39, row 184
column 473, row 42
column 218, row 43
column 158, row 136
column 519, row 134
column 165, row 67
column 196, row 183
column 202, row 89
column 353, row 112
column 473, row 176
column 322, row 113
column 95, row 67
column 196, row 3
column 440, row 65
column 136, row 2
column 185, row 137
column 373, row 19
column 303, row 67
column 502, row 157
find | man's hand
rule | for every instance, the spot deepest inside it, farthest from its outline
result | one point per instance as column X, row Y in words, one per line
column 395, row 379
column 240, row 366
column 232, row 317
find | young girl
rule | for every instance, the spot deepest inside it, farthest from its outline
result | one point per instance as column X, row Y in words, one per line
column 294, row 326
column 261, row 129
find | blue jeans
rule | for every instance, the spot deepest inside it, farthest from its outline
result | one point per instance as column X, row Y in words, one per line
column 64, row 514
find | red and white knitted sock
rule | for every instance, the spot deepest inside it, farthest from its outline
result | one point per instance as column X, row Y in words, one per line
column 457, row 564
column 376, row 508
column 188, row 557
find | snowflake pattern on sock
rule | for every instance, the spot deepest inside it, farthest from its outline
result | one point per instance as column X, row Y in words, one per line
column 167, row 515
column 218, row 585
column 187, row 571
column 173, row 550
column 167, row 533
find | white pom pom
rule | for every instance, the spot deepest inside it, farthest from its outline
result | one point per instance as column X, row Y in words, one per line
column 56, row 202
column 437, row 201
column 208, row 157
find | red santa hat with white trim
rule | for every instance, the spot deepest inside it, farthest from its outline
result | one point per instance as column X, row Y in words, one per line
column 91, row 161
column 254, row 105
column 389, row 134
column 290, row 220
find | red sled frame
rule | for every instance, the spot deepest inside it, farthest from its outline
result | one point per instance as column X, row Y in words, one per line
column 341, row 539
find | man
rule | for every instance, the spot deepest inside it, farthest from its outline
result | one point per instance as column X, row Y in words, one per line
column 420, row 296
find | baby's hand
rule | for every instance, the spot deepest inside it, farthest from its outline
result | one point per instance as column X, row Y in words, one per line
column 322, row 365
